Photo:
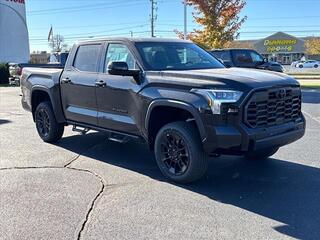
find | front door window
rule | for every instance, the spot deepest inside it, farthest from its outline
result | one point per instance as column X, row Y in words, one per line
column 118, row 52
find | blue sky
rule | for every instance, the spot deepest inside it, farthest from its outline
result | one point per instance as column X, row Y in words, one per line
column 80, row 19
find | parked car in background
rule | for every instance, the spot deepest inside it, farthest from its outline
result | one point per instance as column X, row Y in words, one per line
column 245, row 58
column 294, row 64
column 15, row 72
column 308, row 64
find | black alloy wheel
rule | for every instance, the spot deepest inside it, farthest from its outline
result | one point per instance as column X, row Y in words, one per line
column 47, row 126
column 174, row 153
column 179, row 152
column 43, row 122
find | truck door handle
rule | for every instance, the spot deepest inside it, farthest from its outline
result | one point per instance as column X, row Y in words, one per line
column 101, row 83
column 66, row 80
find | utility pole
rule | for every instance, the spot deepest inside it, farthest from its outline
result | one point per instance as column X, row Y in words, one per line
column 185, row 20
column 153, row 16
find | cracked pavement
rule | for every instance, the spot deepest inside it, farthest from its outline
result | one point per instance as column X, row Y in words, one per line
column 85, row 187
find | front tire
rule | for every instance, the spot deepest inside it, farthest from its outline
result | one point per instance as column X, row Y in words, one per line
column 179, row 152
column 261, row 154
column 48, row 128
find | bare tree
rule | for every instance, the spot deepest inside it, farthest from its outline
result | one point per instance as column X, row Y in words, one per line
column 57, row 43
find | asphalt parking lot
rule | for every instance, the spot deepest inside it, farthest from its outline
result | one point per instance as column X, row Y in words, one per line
column 86, row 187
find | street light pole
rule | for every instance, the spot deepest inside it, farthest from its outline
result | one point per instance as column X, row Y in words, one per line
column 185, row 20
column 152, row 17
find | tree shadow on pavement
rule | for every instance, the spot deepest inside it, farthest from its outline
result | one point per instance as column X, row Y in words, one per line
column 276, row 189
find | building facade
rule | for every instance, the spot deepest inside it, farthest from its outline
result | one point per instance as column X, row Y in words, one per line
column 39, row 57
column 14, row 39
column 281, row 47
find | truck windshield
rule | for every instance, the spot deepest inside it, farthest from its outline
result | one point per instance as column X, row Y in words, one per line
column 160, row 56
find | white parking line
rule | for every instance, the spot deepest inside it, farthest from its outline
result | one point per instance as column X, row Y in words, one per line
column 312, row 117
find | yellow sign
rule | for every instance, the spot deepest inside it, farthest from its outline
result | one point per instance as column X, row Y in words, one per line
column 280, row 49
column 280, row 45
column 280, row 42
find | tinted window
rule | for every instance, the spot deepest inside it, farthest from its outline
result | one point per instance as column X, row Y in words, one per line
column 119, row 53
column 217, row 54
column 87, row 58
column 242, row 57
column 224, row 55
column 247, row 58
column 175, row 56
column 256, row 57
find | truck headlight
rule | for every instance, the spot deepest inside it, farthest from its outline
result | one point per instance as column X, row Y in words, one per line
column 216, row 98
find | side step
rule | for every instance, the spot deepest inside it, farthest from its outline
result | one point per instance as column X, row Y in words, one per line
column 81, row 130
column 118, row 138
column 112, row 135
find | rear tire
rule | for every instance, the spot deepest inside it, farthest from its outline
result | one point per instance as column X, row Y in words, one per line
column 261, row 154
column 179, row 153
column 316, row 66
column 48, row 128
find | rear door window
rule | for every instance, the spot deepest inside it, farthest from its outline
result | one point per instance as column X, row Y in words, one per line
column 87, row 58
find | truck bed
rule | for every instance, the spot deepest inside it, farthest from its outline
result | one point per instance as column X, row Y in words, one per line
column 41, row 76
column 40, row 79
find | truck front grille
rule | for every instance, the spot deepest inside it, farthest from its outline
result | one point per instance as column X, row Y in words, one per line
column 272, row 107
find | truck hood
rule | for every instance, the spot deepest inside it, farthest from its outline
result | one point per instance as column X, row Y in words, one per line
column 231, row 78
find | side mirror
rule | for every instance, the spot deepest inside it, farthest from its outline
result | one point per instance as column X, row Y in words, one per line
column 122, row 69
column 265, row 60
column 118, row 68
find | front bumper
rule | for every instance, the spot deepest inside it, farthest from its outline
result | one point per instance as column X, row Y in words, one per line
column 241, row 139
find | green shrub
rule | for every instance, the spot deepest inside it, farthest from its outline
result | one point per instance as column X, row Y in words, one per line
column 4, row 73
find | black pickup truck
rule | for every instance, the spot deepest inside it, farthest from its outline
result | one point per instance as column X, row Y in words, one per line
column 171, row 94
column 245, row 58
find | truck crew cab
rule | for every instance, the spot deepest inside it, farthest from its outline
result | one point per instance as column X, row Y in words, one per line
column 169, row 93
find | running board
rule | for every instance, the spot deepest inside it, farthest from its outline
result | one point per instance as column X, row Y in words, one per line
column 114, row 136
column 81, row 130
column 118, row 138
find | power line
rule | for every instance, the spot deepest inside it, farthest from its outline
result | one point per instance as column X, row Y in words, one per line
column 95, row 34
column 92, row 26
column 272, row 18
column 104, row 31
column 91, row 37
column 103, row 6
